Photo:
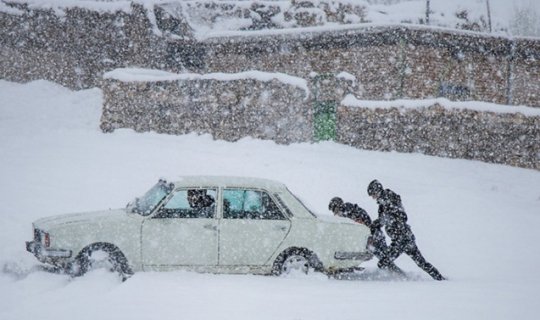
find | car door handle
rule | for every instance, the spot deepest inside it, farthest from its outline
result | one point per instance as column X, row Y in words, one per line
column 210, row 227
column 281, row 228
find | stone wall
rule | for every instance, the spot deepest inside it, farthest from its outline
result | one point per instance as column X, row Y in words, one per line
column 504, row 138
column 525, row 73
column 233, row 109
column 227, row 110
column 76, row 46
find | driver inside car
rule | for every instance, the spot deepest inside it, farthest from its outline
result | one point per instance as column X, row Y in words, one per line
column 201, row 202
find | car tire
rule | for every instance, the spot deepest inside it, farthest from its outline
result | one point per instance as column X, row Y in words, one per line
column 98, row 256
column 296, row 259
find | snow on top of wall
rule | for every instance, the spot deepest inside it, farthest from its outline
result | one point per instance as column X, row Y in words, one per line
column 346, row 76
column 9, row 10
column 215, row 18
column 223, row 17
column 208, row 19
column 151, row 75
column 306, row 32
column 352, row 101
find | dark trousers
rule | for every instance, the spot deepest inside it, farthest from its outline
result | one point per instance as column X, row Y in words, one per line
column 408, row 246
column 380, row 249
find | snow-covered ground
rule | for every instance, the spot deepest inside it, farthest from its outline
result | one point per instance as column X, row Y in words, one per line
column 478, row 223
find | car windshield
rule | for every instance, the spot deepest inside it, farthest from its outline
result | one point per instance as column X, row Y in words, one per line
column 147, row 203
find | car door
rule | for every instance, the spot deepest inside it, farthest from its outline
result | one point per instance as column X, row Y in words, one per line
column 251, row 228
column 183, row 232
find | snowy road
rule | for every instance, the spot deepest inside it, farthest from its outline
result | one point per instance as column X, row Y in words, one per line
column 476, row 222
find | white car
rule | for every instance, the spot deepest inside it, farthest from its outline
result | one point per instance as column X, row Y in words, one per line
column 206, row 224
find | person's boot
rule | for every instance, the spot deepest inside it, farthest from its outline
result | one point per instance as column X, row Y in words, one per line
column 384, row 264
column 435, row 274
column 395, row 269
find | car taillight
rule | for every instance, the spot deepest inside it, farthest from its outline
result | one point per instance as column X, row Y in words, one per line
column 46, row 240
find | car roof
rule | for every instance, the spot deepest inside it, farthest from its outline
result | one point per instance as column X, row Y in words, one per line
column 229, row 181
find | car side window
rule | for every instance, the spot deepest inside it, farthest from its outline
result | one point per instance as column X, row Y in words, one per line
column 190, row 203
column 249, row 204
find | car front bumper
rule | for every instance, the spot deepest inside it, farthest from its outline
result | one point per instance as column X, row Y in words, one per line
column 53, row 256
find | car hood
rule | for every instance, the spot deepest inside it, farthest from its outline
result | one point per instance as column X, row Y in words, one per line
column 79, row 218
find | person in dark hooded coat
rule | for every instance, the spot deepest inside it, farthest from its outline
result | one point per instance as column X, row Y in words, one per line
column 377, row 244
column 394, row 219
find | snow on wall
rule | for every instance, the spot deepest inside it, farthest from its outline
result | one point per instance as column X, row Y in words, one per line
column 216, row 18
column 148, row 75
column 351, row 101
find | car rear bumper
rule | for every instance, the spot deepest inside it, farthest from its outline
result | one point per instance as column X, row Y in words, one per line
column 46, row 254
column 360, row 256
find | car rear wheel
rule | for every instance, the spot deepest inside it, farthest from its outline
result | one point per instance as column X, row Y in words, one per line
column 296, row 260
column 295, row 263
column 101, row 256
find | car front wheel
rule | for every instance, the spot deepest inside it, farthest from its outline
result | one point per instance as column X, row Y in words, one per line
column 101, row 256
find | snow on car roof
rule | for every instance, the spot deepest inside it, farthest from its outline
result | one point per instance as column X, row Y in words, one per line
column 229, row 181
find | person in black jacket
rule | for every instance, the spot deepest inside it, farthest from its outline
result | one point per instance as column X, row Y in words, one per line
column 394, row 219
column 377, row 244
